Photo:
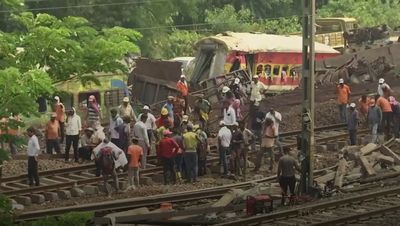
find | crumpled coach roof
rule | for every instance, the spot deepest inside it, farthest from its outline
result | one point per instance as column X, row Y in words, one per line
column 260, row 42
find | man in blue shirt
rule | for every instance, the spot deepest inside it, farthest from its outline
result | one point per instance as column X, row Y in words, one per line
column 352, row 124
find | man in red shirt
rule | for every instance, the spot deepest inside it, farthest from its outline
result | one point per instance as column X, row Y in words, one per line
column 167, row 149
column 183, row 88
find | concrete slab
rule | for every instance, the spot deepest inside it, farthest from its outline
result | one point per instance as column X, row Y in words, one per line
column 37, row 198
column 123, row 185
column 77, row 192
column 23, row 200
column 90, row 190
column 51, row 196
column 146, row 181
column 320, row 148
column 64, row 194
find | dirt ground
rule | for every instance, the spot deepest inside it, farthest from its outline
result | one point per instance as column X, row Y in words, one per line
column 289, row 105
column 18, row 167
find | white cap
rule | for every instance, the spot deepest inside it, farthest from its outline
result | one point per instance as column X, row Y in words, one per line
column 145, row 107
column 125, row 99
column 352, row 105
column 255, row 76
column 222, row 123
column 57, row 98
column 341, row 81
column 235, row 124
column 225, row 89
column 185, row 118
column 381, row 81
column 237, row 81
column 183, row 76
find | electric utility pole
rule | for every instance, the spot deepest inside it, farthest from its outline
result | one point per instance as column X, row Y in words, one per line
column 307, row 136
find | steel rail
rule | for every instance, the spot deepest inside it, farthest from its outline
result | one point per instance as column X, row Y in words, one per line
column 91, row 166
column 308, row 210
column 87, row 181
column 126, row 204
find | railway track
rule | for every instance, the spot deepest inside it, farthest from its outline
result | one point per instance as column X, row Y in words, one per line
column 341, row 211
column 64, row 179
column 126, row 204
column 85, row 174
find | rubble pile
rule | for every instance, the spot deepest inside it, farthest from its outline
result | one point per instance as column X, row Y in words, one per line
column 363, row 164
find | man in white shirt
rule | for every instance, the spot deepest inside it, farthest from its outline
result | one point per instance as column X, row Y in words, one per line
column 229, row 115
column 140, row 131
column 276, row 117
column 110, row 158
column 150, row 124
column 257, row 88
column 33, row 153
column 73, row 127
column 382, row 87
column 115, row 122
column 224, row 142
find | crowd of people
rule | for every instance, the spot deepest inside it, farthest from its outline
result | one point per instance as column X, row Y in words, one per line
column 179, row 136
column 380, row 112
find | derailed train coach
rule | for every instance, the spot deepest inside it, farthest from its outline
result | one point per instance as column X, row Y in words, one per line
column 274, row 58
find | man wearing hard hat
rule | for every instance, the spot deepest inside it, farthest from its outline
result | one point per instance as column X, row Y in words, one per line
column 343, row 96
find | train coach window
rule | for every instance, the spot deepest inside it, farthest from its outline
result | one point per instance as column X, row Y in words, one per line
column 276, row 70
column 113, row 98
column 268, row 70
column 259, row 69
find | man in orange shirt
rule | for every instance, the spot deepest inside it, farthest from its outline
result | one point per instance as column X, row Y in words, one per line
column 387, row 114
column 363, row 105
column 60, row 112
column 135, row 153
column 52, row 135
column 343, row 96
column 183, row 88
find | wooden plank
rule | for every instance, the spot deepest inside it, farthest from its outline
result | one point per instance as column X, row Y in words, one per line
column 325, row 178
column 366, row 166
column 369, row 148
column 386, row 151
column 340, row 172
column 170, row 214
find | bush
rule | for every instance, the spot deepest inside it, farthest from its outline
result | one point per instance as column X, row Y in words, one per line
column 6, row 213
column 69, row 219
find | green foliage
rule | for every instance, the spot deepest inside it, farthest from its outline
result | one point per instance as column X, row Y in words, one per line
column 367, row 12
column 283, row 26
column 75, row 219
column 19, row 92
column 178, row 43
column 7, row 7
column 228, row 19
column 67, row 47
column 6, row 213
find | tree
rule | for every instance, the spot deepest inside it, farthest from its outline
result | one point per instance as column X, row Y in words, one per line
column 368, row 12
column 19, row 92
column 67, row 47
column 228, row 19
column 178, row 43
column 7, row 7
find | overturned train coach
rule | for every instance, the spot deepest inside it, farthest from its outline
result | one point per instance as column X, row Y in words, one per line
column 272, row 57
